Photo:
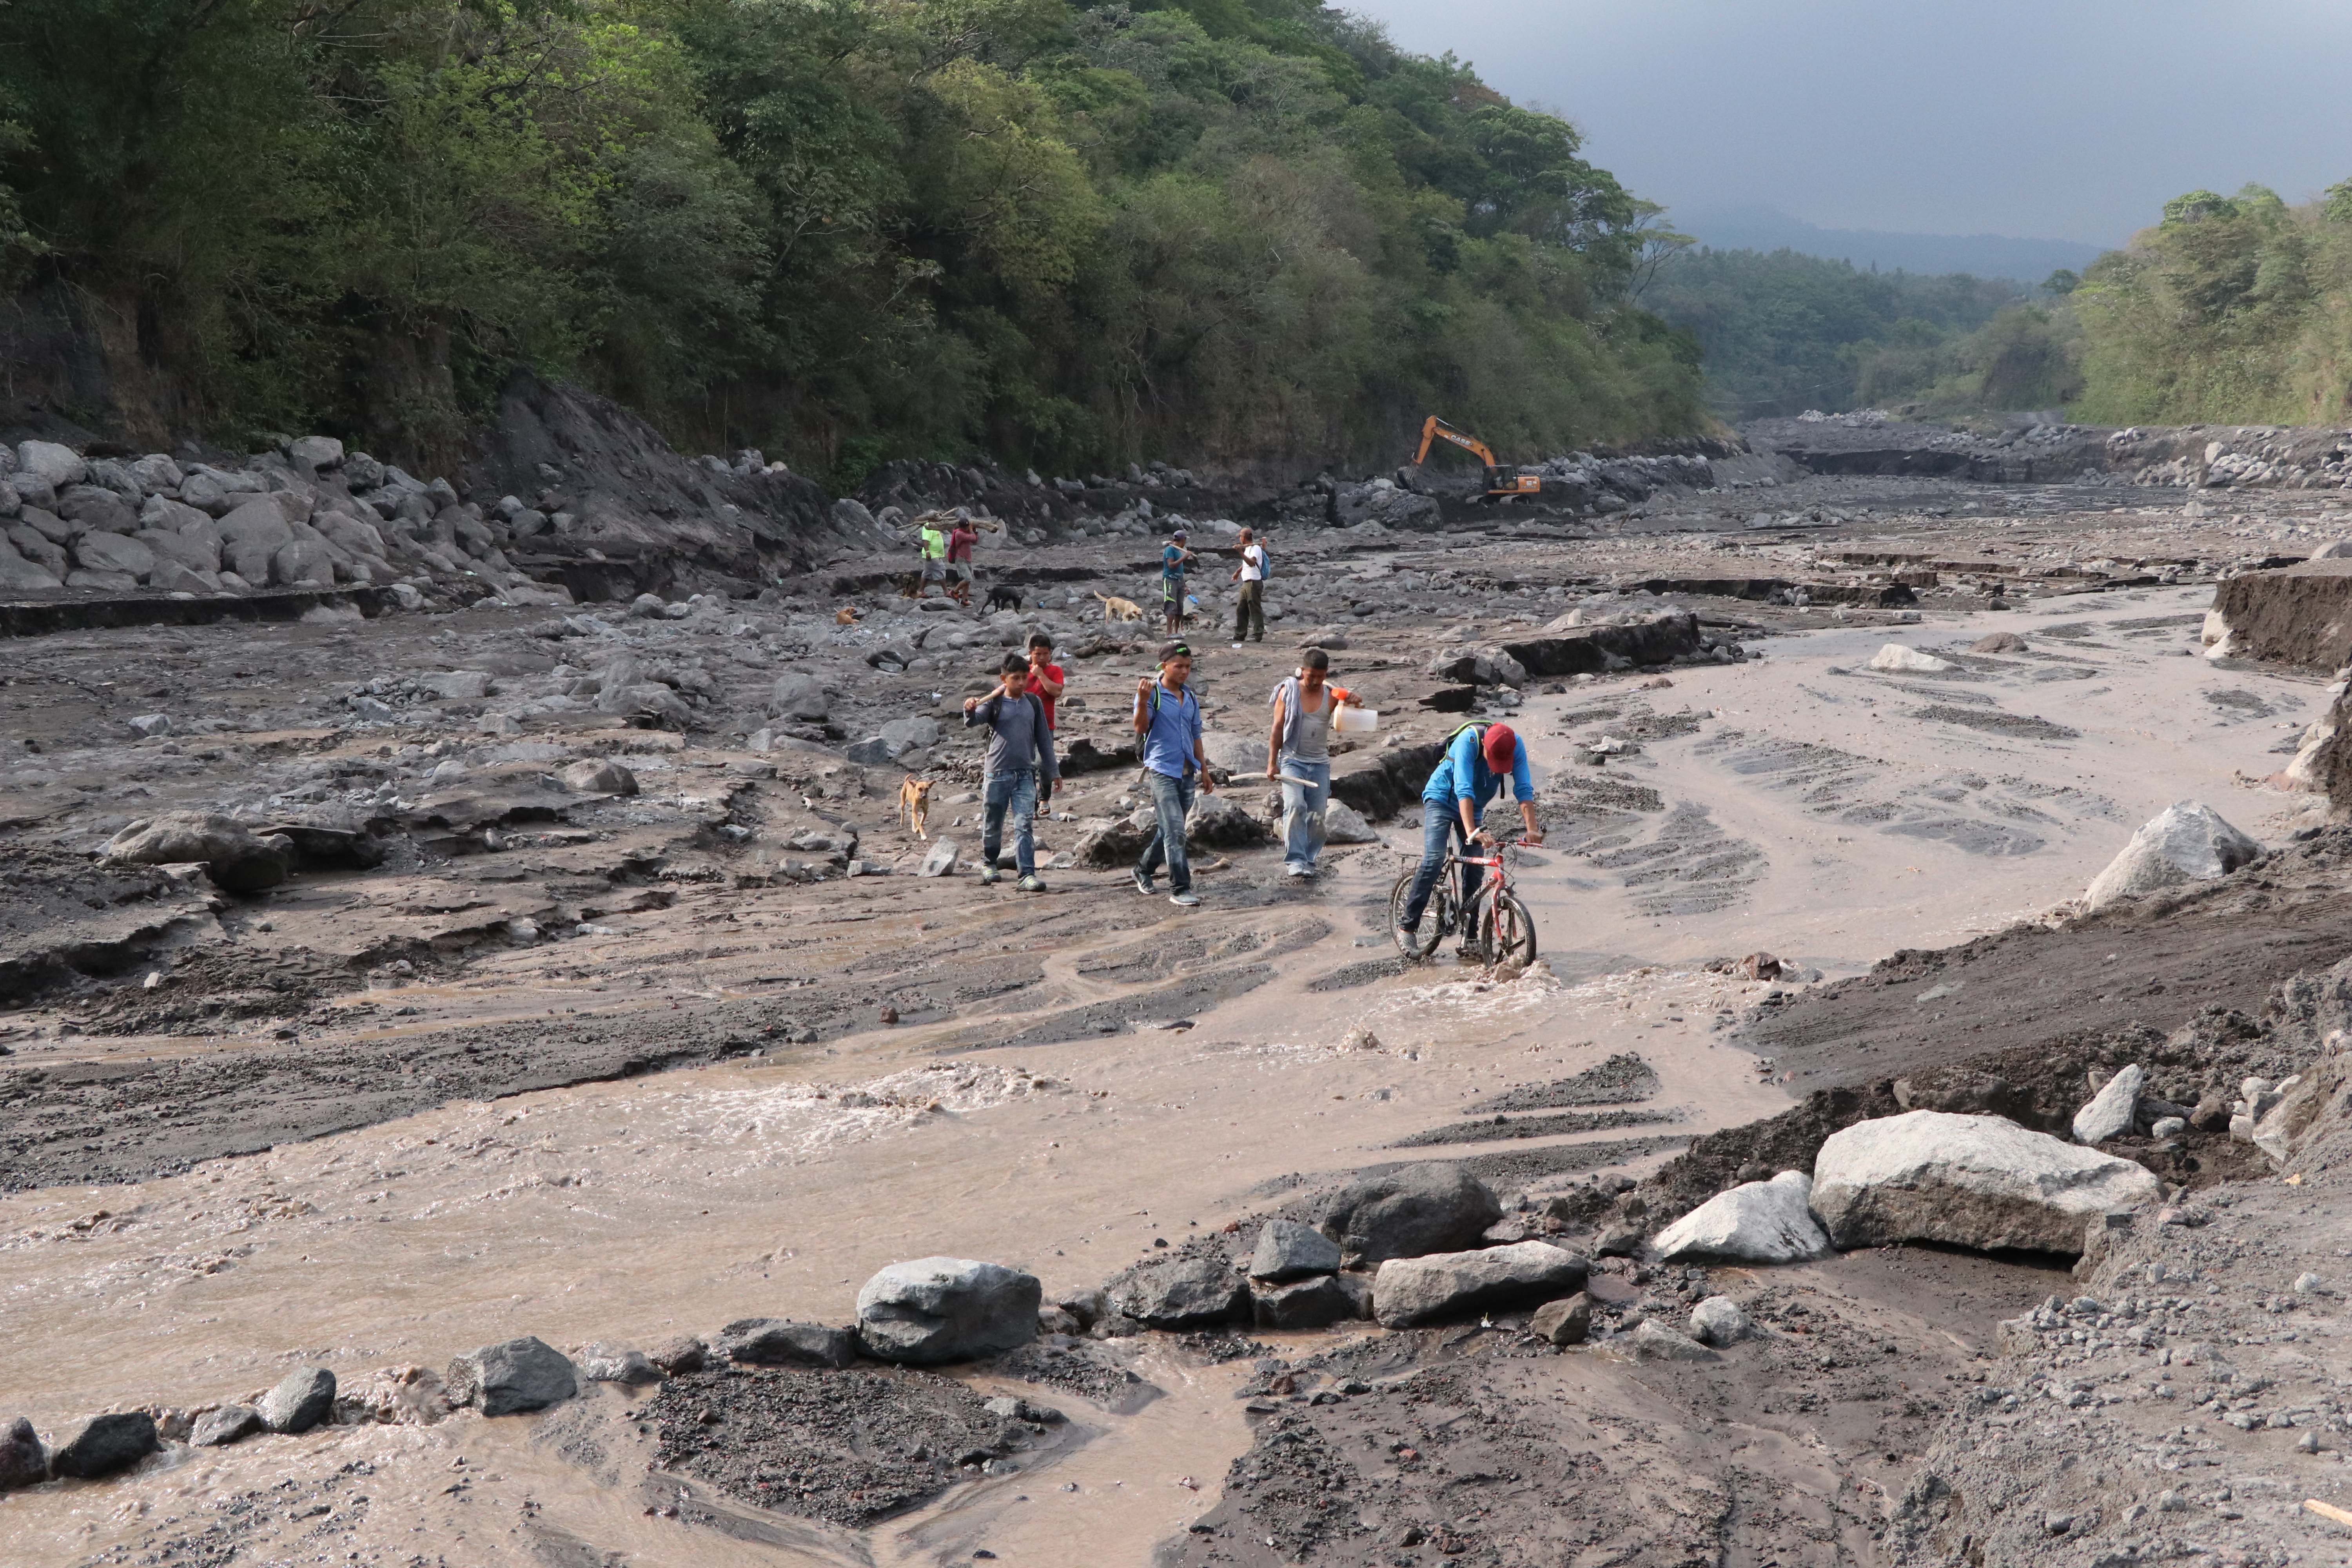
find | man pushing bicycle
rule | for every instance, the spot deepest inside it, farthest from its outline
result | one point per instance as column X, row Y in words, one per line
column 1478, row 759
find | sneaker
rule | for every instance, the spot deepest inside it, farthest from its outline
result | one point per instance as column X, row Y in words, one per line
column 1184, row 899
column 1030, row 885
column 1144, row 884
column 988, row 874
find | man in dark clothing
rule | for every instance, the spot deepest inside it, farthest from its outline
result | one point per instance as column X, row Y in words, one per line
column 1020, row 753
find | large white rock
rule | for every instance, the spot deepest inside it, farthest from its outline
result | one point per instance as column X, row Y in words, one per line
column 1343, row 824
column 1973, row 1180
column 2188, row 841
column 2108, row 1114
column 60, row 466
column 946, row 1308
column 1409, row 1290
column 1903, row 661
column 1757, row 1222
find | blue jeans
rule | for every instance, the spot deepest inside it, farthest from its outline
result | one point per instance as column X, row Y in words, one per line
column 1440, row 820
column 1018, row 794
column 1303, row 807
column 1171, row 800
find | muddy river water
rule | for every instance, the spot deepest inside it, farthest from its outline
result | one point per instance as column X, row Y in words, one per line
column 1805, row 805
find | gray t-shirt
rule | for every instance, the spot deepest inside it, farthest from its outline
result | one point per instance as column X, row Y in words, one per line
column 1018, row 740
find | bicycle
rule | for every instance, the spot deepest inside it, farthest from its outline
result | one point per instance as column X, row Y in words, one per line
column 1496, row 924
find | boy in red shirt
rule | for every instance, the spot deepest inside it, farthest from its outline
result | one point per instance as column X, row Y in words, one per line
column 1045, row 683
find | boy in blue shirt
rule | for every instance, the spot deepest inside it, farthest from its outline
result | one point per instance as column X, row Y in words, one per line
column 1167, row 737
column 1476, row 764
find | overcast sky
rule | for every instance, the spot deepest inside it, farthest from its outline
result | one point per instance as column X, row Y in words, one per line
column 2054, row 119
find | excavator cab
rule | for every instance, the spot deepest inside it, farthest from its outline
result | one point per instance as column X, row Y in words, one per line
column 1503, row 484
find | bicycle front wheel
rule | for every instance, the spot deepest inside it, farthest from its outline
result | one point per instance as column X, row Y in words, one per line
column 1512, row 936
column 1419, row 942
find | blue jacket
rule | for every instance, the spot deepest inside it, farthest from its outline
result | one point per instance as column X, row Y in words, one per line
column 1463, row 774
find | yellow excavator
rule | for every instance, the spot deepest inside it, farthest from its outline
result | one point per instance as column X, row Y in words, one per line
column 1502, row 483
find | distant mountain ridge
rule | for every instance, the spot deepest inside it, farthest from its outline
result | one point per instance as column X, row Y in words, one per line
column 1985, row 254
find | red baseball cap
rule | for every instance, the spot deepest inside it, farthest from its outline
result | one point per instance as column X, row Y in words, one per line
column 1501, row 745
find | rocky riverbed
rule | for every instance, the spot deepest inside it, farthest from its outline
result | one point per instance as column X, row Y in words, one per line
column 567, row 971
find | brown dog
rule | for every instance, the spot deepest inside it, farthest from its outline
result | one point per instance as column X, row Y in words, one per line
column 1123, row 609
column 846, row 616
column 915, row 804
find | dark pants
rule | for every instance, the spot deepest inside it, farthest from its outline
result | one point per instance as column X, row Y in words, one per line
column 1250, row 611
column 1440, row 820
column 1172, row 603
column 1171, row 800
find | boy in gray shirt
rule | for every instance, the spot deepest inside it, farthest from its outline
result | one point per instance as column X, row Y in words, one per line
column 1020, row 753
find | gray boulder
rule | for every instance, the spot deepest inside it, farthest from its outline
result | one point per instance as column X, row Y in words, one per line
column 1567, row 1322
column 316, row 451
column 17, row 574
column 92, row 507
column 1312, row 1303
column 1422, row 1208
column 196, row 550
column 507, row 1379
column 156, row 472
column 779, row 1342
column 54, row 465
column 96, row 551
column 300, row 562
column 1971, row 1180
column 112, row 473
column 599, row 775
column 39, row 548
column 2186, row 842
column 1179, row 1293
column 1343, row 824
column 1242, row 753
column 1718, row 1322
column 22, row 1461
column 236, row 861
column 2110, row 1113
column 229, row 1424
column 680, row 1352
column 799, row 695
column 1287, row 1250
column 107, row 1443
column 616, row 1363
column 48, row 525
column 1653, row 1340
column 947, row 1309
column 1755, row 1221
column 904, row 735
column 300, row 1400
column 1221, row 821
column 455, row 685
column 1409, row 1290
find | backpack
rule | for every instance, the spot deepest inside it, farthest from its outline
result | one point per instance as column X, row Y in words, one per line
column 1479, row 729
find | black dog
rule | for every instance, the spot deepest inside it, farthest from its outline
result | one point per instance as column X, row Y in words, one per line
column 1003, row 598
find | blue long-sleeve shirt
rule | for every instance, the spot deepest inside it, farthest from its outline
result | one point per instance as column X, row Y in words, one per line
column 1463, row 774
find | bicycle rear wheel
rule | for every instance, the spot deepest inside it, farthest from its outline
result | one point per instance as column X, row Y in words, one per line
column 1421, row 942
column 1511, row 939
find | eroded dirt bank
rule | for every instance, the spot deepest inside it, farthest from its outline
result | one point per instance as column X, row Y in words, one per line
column 608, row 1068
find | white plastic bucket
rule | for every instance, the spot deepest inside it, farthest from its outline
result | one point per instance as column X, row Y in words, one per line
column 1355, row 720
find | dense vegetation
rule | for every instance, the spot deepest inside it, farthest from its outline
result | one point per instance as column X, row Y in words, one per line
column 1781, row 333
column 2233, row 310
column 1225, row 231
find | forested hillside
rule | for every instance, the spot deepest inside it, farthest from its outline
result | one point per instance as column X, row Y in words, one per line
column 1228, row 231
column 2233, row 310
column 1781, row 333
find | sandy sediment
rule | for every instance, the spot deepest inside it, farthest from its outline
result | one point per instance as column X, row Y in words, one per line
column 612, row 1068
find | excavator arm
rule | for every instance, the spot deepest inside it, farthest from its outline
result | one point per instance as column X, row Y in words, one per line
column 1502, row 483
column 1436, row 429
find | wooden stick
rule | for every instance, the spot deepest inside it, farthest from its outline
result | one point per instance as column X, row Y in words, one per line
column 2327, row 1510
